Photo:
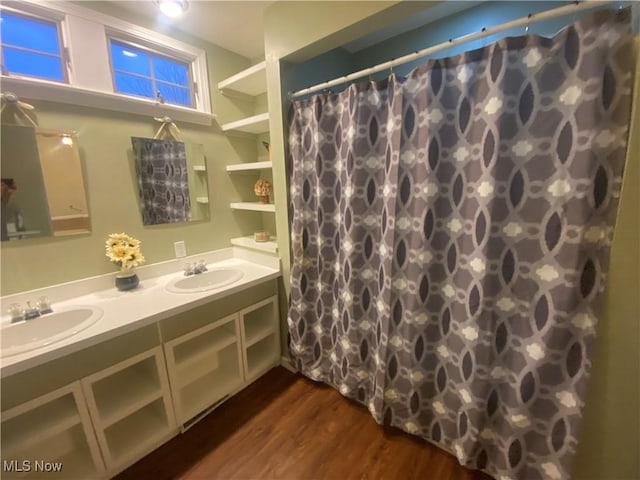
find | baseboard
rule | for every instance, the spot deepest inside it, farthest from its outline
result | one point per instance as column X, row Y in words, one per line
column 286, row 363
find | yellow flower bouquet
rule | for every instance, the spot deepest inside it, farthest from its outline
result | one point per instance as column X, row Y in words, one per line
column 124, row 250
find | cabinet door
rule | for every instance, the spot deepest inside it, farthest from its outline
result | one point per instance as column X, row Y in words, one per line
column 130, row 405
column 204, row 368
column 259, row 325
column 51, row 436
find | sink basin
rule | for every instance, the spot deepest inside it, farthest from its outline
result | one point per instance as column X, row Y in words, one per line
column 205, row 281
column 47, row 329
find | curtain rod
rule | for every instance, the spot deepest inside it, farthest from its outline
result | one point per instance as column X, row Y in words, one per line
column 536, row 17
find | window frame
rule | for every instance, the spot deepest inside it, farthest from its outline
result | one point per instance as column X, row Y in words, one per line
column 85, row 34
column 118, row 37
column 29, row 11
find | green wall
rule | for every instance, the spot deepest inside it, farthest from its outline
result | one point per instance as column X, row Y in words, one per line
column 104, row 138
column 610, row 442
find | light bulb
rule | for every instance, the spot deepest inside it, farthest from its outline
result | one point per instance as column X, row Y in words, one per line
column 172, row 8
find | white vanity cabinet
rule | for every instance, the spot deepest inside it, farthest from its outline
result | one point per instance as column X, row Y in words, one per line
column 204, row 368
column 51, row 437
column 130, row 406
column 260, row 337
column 100, row 409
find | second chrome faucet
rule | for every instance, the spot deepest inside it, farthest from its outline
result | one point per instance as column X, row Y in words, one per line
column 195, row 268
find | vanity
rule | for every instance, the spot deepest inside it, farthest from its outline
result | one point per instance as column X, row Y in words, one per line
column 156, row 360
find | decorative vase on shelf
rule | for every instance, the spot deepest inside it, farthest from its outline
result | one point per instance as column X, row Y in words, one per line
column 127, row 279
column 263, row 189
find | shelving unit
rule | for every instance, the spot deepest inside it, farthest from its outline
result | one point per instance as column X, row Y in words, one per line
column 250, row 167
column 255, row 124
column 137, row 433
column 204, row 367
column 270, row 246
column 246, row 85
column 52, row 428
column 255, row 206
column 260, row 337
column 130, row 406
column 252, row 81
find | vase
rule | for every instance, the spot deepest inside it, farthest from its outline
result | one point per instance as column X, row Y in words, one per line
column 127, row 279
column 264, row 199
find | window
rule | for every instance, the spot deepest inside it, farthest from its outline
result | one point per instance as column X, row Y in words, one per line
column 31, row 47
column 65, row 52
column 148, row 74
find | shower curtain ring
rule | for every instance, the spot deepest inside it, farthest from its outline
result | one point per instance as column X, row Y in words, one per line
column 526, row 29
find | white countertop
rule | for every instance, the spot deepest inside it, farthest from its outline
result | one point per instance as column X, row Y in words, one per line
column 127, row 311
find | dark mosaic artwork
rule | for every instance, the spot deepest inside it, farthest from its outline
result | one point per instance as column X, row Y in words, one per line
column 163, row 186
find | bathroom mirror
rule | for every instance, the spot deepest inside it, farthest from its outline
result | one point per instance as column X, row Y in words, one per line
column 43, row 191
column 172, row 181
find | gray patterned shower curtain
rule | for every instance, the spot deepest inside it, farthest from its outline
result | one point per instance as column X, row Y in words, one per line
column 450, row 240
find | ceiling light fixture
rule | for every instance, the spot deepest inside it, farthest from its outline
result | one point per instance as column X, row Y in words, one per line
column 172, row 8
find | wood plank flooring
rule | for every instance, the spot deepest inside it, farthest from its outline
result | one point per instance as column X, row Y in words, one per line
column 285, row 426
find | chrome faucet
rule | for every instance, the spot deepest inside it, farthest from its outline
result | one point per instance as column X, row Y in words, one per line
column 200, row 267
column 18, row 314
column 31, row 312
column 195, row 268
column 189, row 269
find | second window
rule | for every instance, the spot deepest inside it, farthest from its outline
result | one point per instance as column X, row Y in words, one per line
column 148, row 74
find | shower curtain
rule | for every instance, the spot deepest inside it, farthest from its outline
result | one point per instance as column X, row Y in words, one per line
column 450, row 239
column 163, row 186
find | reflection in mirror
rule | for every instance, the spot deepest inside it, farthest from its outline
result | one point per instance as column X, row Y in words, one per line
column 172, row 181
column 43, row 190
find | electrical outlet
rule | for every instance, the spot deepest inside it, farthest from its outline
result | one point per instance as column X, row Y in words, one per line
column 180, row 249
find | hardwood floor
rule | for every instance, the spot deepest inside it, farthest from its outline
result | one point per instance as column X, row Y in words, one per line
column 285, row 426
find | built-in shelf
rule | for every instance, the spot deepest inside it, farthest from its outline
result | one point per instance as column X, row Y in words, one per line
column 211, row 387
column 192, row 347
column 256, row 124
column 261, row 356
column 248, row 167
column 255, row 206
column 130, row 407
column 127, row 391
column 252, row 81
column 270, row 246
column 199, row 356
column 260, row 337
column 202, row 199
column 200, row 168
column 53, row 427
column 257, row 331
column 204, row 366
column 38, row 425
column 139, row 432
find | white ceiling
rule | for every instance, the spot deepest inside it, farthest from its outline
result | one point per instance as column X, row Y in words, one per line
column 234, row 25
column 237, row 25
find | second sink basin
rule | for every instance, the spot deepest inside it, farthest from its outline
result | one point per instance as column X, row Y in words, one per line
column 47, row 329
column 205, row 281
